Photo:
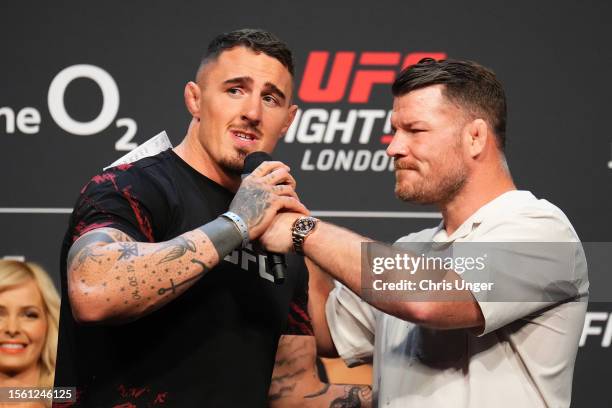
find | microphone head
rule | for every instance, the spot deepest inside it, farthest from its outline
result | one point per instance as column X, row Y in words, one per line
column 253, row 160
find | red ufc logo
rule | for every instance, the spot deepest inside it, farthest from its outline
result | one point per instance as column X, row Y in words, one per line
column 312, row 89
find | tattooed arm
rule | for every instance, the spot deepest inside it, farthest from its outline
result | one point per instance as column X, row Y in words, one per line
column 112, row 278
column 295, row 382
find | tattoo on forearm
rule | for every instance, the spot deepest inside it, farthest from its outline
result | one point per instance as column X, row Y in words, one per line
column 353, row 396
column 286, row 383
column 281, row 392
column 204, row 267
column 349, row 400
column 133, row 282
column 173, row 286
column 291, row 361
column 285, row 377
column 177, row 248
column 127, row 250
column 294, row 357
column 126, row 276
column 287, row 341
column 318, row 393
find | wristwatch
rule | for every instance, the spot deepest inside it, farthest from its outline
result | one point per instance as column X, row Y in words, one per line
column 301, row 228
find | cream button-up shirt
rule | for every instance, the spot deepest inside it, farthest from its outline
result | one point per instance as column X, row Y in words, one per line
column 525, row 355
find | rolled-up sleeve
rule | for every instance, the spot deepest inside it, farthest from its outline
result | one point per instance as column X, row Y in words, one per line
column 352, row 324
column 540, row 264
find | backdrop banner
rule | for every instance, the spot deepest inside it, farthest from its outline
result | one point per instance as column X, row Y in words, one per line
column 82, row 84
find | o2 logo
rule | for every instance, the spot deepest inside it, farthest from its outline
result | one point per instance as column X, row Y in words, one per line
column 27, row 119
column 110, row 105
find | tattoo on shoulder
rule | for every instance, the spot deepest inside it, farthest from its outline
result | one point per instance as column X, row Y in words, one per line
column 176, row 248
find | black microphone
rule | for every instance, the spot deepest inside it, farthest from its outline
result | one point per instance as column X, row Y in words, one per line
column 276, row 262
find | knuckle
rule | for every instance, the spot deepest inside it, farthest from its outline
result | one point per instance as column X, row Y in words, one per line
column 267, row 165
column 262, row 167
column 280, row 172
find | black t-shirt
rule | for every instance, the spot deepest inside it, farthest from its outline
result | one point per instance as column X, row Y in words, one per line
column 213, row 346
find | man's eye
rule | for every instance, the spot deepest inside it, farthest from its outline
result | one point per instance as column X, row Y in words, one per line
column 234, row 91
column 270, row 99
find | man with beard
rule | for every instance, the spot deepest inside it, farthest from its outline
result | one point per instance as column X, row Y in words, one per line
column 165, row 300
column 447, row 343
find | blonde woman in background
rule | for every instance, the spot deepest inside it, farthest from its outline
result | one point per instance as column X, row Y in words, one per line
column 29, row 317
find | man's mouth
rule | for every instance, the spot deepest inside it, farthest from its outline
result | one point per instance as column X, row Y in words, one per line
column 406, row 167
column 405, row 164
column 246, row 136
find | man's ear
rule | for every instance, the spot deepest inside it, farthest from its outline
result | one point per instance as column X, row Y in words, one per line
column 292, row 111
column 192, row 99
column 476, row 134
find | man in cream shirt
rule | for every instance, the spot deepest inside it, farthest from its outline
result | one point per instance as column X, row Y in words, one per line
column 522, row 357
column 511, row 347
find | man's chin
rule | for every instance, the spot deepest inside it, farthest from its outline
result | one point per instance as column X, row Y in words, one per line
column 233, row 166
column 413, row 196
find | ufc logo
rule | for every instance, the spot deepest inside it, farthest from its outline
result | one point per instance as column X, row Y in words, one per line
column 313, row 90
column 247, row 257
column 602, row 329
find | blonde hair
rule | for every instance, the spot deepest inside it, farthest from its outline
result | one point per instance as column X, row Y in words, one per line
column 16, row 272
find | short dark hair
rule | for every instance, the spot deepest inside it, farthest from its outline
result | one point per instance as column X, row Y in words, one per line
column 255, row 39
column 466, row 83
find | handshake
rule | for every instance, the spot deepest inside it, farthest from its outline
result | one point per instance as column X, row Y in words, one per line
column 266, row 204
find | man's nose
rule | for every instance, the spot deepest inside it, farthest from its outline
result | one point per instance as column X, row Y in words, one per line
column 398, row 146
column 252, row 111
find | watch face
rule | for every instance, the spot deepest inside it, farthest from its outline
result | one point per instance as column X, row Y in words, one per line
column 304, row 225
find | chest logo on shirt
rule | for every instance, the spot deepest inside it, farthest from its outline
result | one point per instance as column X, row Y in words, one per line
column 246, row 257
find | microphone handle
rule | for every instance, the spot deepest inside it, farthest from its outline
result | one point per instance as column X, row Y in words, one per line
column 277, row 265
column 276, row 262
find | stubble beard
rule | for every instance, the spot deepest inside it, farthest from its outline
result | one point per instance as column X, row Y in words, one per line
column 233, row 165
column 439, row 191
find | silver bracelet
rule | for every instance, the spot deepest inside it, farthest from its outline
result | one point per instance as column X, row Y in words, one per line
column 240, row 225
